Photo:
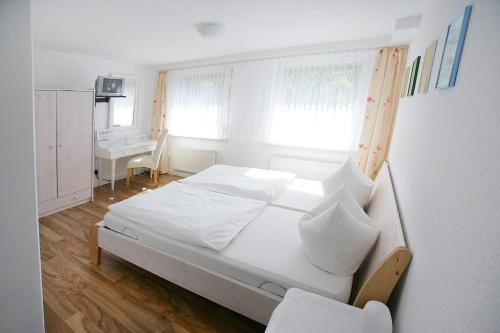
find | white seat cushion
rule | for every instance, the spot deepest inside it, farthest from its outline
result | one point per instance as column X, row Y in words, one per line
column 301, row 311
column 143, row 161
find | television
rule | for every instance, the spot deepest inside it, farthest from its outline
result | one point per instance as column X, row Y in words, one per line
column 106, row 86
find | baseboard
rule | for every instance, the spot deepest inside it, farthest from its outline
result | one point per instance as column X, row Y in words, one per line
column 59, row 209
column 179, row 173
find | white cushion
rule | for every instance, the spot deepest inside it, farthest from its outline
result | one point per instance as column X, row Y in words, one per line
column 345, row 197
column 143, row 161
column 302, row 311
column 351, row 176
column 336, row 241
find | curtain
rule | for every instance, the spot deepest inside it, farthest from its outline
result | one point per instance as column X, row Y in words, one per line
column 158, row 121
column 198, row 102
column 318, row 100
column 311, row 100
column 381, row 108
column 249, row 105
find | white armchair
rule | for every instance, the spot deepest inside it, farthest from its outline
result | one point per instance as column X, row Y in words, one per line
column 151, row 162
column 302, row 311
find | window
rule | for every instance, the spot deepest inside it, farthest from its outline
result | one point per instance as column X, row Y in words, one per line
column 313, row 100
column 198, row 102
column 122, row 111
column 317, row 107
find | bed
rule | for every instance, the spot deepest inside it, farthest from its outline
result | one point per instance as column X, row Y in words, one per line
column 301, row 195
column 252, row 279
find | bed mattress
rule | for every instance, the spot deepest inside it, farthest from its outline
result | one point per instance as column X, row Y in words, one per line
column 190, row 214
column 267, row 254
column 302, row 195
column 251, row 183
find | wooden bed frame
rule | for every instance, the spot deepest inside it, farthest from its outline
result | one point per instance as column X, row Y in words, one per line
column 375, row 279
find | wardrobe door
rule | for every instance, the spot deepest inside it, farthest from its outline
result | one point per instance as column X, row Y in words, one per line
column 45, row 142
column 74, row 141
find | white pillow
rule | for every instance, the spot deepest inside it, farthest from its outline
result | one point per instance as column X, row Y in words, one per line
column 351, row 176
column 345, row 197
column 336, row 241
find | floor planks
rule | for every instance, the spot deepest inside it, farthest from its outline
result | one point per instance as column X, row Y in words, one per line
column 116, row 296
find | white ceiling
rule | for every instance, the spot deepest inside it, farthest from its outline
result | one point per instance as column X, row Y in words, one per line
column 162, row 31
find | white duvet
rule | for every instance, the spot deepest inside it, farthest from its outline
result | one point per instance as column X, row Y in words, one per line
column 257, row 184
column 190, row 214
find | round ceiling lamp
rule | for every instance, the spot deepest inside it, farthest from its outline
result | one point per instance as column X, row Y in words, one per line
column 210, row 29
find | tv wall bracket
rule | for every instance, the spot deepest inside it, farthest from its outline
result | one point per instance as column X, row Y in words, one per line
column 106, row 99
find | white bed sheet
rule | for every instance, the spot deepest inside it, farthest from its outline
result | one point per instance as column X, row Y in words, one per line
column 190, row 214
column 267, row 254
column 257, row 184
column 302, row 195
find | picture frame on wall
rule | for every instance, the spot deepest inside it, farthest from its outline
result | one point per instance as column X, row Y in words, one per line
column 413, row 76
column 452, row 50
column 425, row 76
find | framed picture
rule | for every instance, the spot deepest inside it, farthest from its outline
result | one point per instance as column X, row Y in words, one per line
column 425, row 76
column 413, row 76
column 452, row 50
column 404, row 85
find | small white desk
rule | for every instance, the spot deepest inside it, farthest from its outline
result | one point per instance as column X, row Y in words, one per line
column 113, row 149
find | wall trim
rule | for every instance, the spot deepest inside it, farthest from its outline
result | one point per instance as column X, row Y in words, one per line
column 260, row 55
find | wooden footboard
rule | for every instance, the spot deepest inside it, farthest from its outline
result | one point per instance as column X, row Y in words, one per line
column 387, row 261
column 246, row 299
column 381, row 282
column 94, row 249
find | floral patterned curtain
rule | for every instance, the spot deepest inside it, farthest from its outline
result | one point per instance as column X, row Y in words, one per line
column 160, row 115
column 381, row 108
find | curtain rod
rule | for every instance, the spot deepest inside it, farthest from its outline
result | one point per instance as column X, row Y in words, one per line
column 274, row 54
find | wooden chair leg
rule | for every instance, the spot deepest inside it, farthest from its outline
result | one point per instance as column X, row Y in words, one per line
column 155, row 177
column 130, row 173
column 94, row 249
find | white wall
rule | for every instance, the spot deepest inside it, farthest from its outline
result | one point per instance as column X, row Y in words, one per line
column 20, row 280
column 445, row 160
column 61, row 70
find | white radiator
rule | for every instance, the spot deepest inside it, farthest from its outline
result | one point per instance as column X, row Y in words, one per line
column 185, row 162
column 308, row 169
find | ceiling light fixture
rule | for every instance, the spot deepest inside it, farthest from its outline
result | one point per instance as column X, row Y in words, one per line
column 210, row 29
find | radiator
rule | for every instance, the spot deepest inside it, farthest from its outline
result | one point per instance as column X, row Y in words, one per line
column 184, row 162
column 303, row 168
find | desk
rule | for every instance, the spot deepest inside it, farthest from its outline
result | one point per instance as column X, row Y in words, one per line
column 113, row 149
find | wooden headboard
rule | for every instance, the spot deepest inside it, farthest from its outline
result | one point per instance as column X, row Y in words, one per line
column 382, row 268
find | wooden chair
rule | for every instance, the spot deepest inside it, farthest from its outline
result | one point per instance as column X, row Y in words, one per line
column 152, row 162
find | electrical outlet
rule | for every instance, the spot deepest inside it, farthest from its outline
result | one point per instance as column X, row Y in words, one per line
column 103, row 134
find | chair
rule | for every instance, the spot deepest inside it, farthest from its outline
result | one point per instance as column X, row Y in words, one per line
column 148, row 161
column 302, row 311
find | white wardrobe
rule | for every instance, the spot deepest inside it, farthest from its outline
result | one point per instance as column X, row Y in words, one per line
column 64, row 148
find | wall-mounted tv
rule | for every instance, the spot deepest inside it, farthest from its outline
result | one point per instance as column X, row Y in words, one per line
column 109, row 86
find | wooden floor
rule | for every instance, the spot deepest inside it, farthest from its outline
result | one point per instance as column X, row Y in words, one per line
column 116, row 296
